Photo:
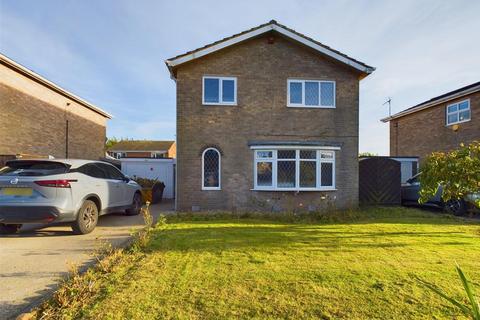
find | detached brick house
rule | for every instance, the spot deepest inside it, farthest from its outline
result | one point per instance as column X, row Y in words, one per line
column 439, row 124
column 143, row 149
column 39, row 118
column 267, row 119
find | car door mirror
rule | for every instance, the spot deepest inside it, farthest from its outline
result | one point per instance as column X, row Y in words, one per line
column 126, row 179
column 413, row 181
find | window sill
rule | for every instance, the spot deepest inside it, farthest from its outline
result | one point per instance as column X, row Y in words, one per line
column 458, row 122
column 295, row 190
column 210, row 104
column 309, row 107
column 211, row 189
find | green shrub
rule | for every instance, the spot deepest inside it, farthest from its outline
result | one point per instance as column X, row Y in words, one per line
column 458, row 172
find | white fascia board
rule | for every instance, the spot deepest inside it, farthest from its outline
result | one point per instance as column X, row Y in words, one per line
column 323, row 50
column 251, row 34
column 258, row 147
column 219, row 46
column 432, row 104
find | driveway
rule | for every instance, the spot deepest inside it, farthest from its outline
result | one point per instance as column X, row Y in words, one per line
column 33, row 261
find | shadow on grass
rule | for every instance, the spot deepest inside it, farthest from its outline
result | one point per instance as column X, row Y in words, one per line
column 394, row 215
column 214, row 236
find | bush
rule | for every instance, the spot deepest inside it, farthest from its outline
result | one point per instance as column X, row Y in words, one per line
column 458, row 172
column 146, row 183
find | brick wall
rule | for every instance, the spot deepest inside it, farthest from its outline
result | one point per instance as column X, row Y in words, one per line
column 262, row 71
column 32, row 126
column 172, row 151
column 423, row 132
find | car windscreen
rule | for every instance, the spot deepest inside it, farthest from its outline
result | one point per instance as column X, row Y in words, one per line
column 33, row 168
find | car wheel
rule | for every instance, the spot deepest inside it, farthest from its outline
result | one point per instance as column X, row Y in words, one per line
column 136, row 205
column 456, row 207
column 87, row 218
column 9, row 228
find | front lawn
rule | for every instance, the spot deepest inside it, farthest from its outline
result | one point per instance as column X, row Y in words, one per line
column 204, row 268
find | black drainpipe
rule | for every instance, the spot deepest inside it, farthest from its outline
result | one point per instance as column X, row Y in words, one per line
column 66, row 131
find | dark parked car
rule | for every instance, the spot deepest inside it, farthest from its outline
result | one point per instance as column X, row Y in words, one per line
column 411, row 194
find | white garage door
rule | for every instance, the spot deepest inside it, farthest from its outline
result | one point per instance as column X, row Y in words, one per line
column 160, row 169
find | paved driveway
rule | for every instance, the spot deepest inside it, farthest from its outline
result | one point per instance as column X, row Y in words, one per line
column 32, row 261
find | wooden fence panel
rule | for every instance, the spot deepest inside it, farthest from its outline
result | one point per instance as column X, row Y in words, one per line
column 380, row 181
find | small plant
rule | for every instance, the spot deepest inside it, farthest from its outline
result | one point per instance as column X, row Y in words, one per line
column 142, row 237
column 473, row 310
column 145, row 182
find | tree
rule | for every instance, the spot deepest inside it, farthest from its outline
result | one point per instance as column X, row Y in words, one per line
column 110, row 142
column 458, row 172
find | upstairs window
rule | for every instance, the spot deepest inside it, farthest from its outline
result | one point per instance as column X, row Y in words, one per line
column 211, row 169
column 219, row 91
column 310, row 93
column 458, row 112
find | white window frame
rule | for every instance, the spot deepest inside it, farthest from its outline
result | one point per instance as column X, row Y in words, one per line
column 274, row 160
column 457, row 112
column 303, row 105
column 220, row 91
column 219, row 170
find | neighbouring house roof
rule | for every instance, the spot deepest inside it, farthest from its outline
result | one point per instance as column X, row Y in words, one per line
column 471, row 88
column 52, row 86
column 141, row 146
column 273, row 25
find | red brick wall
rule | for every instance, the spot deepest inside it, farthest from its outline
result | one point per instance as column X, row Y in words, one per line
column 31, row 126
column 423, row 132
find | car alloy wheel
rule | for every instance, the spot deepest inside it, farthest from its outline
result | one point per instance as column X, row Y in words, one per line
column 455, row 206
column 89, row 216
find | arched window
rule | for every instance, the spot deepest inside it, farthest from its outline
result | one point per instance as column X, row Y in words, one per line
column 211, row 164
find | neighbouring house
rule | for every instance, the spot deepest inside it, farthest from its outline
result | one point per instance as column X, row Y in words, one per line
column 267, row 119
column 143, row 149
column 39, row 118
column 439, row 124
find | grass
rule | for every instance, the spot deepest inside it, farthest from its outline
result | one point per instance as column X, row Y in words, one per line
column 214, row 267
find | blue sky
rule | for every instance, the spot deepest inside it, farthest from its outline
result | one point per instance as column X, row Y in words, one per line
column 112, row 52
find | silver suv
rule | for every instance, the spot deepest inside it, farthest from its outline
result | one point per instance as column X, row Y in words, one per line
column 74, row 191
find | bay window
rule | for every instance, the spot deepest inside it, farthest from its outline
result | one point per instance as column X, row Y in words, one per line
column 294, row 169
